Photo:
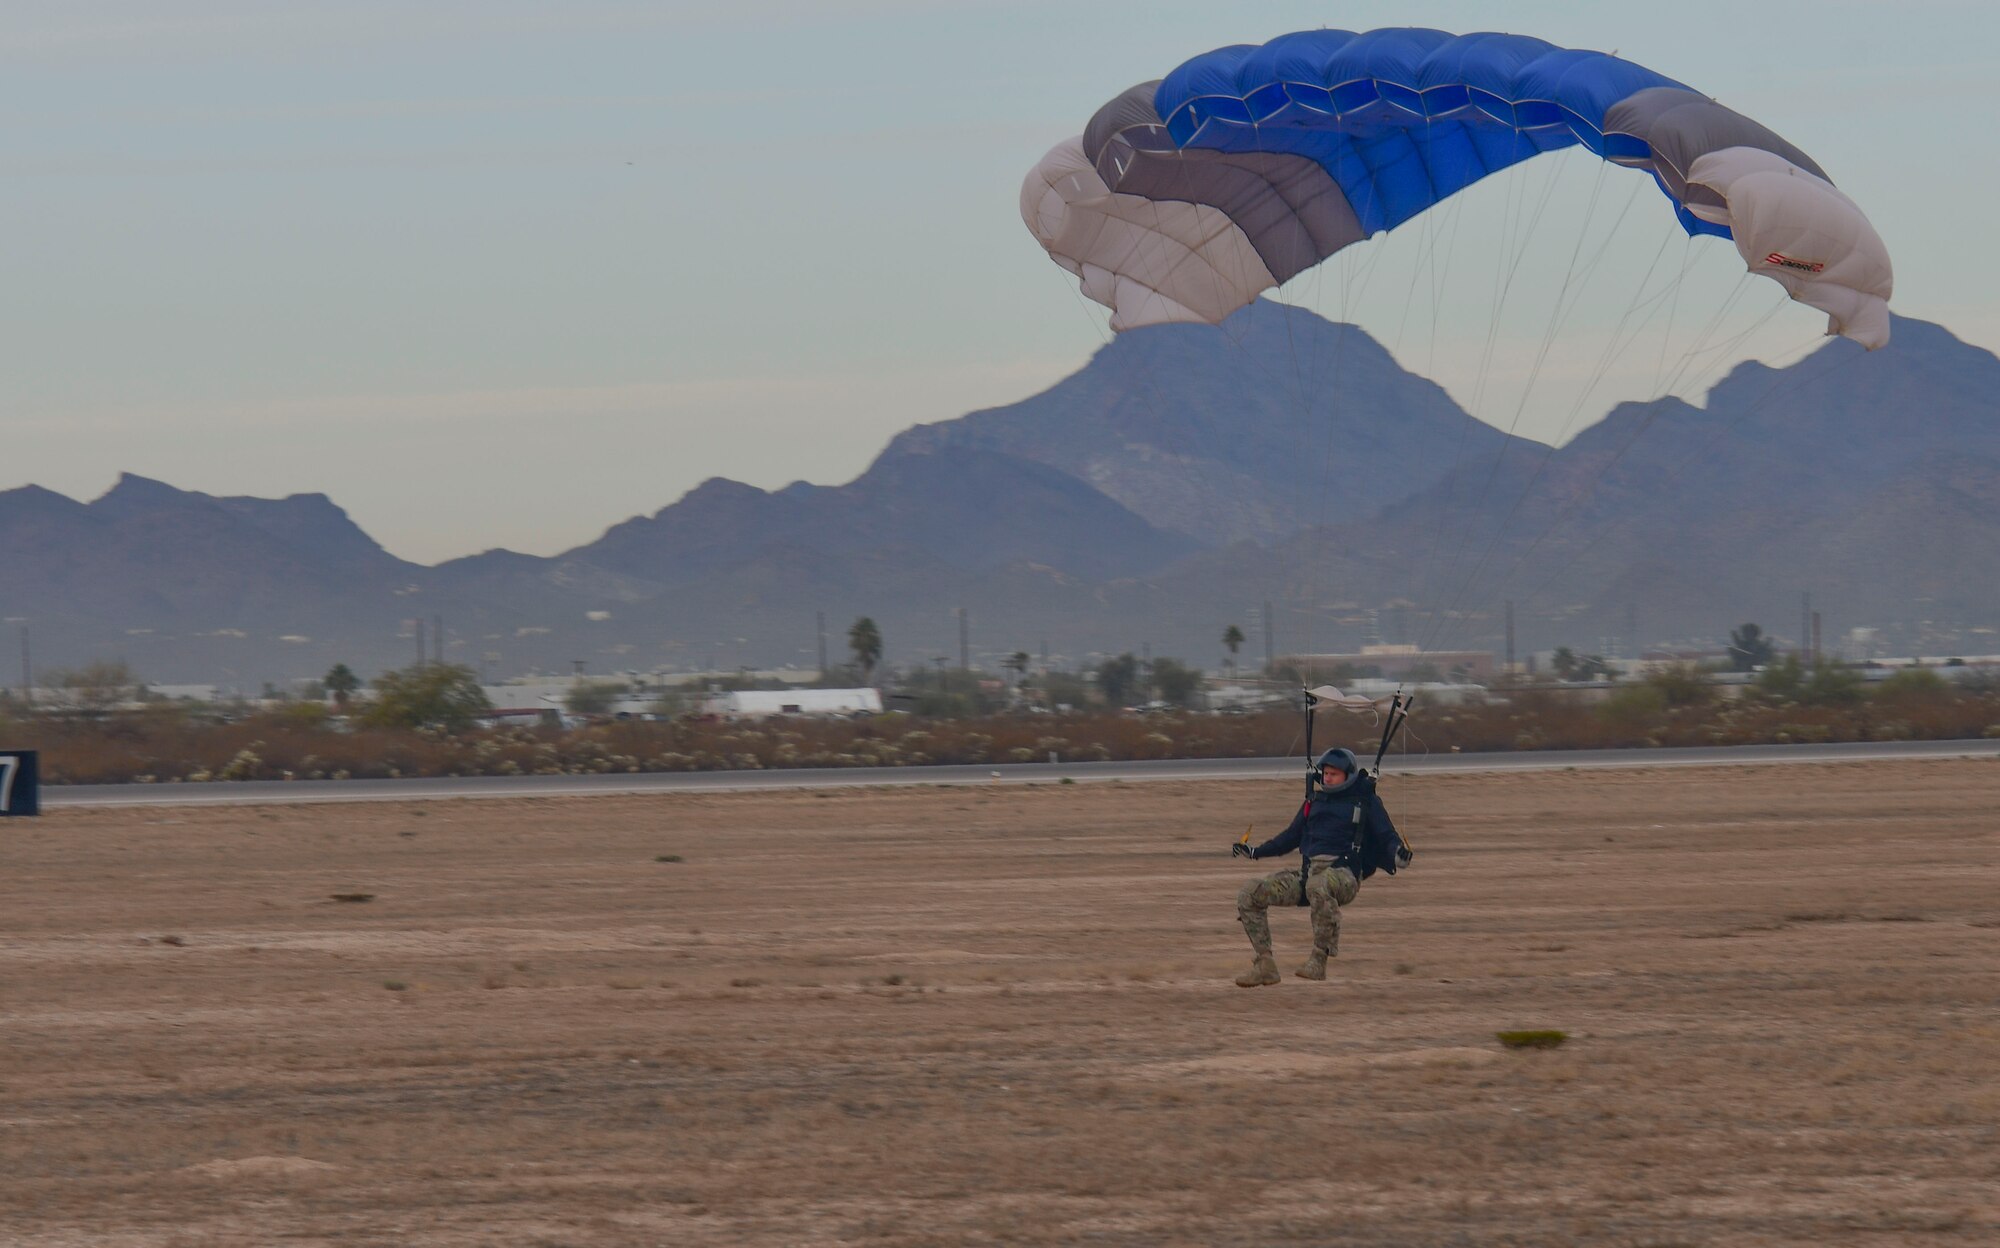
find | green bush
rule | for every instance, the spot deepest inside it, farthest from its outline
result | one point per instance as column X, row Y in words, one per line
column 1634, row 708
column 446, row 696
column 1912, row 684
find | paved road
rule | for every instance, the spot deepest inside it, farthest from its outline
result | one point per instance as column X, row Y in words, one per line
column 275, row 791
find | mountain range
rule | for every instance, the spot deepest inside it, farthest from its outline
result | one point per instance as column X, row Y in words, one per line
column 1182, row 478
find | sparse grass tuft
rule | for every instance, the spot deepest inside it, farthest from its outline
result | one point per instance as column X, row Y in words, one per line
column 1539, row 1039
column 668, row 858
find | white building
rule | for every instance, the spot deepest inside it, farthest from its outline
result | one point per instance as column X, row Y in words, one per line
column 756, row 703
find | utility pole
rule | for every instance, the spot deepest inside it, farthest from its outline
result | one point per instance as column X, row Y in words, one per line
column 1510, row 637
column 1805, row 626
column 964, row 640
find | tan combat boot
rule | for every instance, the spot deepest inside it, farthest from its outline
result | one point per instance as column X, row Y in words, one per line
column 1313, row 967
column 1262, row 972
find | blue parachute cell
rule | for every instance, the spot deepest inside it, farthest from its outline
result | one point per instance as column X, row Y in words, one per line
column 1403, row 118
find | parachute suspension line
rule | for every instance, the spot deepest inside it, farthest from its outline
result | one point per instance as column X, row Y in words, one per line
column 1441, row 285
column 1202, row 436
column 1399, row 710
column 1666, row 338
column 1556, row 317
column 1507, row 266
column 1505, row 285
column 1435, row 288
column 1429, row 227
column 1653, row 407
column 1699, row 454
column 1652, row 410
column 1321, row 535
column 1097, row 322
column 1615, row 346
column 1350, row 297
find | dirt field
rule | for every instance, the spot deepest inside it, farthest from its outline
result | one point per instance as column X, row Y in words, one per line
column 1005, row 1016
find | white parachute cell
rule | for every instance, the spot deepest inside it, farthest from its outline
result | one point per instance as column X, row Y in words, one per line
column 1149, row 261
column 1803, row 233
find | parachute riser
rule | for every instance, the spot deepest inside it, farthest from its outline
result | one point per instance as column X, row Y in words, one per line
column 1399, row 710
column 1312, row 772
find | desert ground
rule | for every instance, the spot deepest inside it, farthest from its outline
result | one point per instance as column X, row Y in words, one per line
column 1005, row 1016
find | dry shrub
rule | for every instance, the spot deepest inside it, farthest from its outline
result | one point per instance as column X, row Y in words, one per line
column 170, row 744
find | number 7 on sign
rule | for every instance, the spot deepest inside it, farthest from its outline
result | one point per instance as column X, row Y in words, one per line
column 8, row 765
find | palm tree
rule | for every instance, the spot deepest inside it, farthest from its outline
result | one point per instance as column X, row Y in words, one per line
column 1232, row 637
column 865, row 641
column 1017, row 663
column 1564, row 663
column 341, row 682
column 1749, row 648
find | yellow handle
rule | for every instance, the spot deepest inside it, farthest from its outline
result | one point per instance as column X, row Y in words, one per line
column 1245, row 839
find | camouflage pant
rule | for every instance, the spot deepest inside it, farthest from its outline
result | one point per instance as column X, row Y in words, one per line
column 1328, row 888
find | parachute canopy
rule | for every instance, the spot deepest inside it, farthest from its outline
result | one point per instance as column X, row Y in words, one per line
column 1184, row 198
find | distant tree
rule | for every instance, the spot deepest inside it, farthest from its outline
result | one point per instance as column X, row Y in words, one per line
column 1017, row 663
column 342, row 683
column 1681, row 684
column 1749, row 648
column 1064, row 689
column 671, row 703
column 1830, row 684
column 593, row 697
column 838, row 676
column 1118, row 678
column 1564, row 663
column 93, row 689
column 1780, row 681
column 1177, row 682
column 1232, row 640
column 430, row 695
column 1912, row 684
column 1595, row 667
column 864, row 640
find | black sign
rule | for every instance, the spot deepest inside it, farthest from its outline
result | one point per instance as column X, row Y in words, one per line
column 20, row 784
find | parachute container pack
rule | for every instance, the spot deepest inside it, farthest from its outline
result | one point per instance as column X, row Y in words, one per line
column 1185, row 198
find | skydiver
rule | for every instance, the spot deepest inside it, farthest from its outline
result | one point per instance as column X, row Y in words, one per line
column 1344, row 835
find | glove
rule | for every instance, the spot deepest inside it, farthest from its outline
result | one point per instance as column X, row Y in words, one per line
column 1403, row 855
column 1241, row 849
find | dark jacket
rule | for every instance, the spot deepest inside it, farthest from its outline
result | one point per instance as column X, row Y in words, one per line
column 1326, row 825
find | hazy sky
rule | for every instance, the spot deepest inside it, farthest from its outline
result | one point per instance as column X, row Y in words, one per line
column 497, row 273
